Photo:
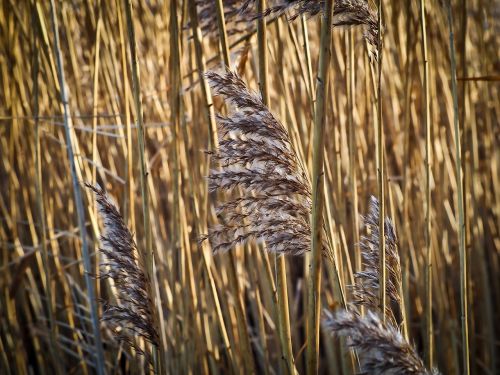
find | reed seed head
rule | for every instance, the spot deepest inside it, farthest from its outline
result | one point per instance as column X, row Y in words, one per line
column 133, row 315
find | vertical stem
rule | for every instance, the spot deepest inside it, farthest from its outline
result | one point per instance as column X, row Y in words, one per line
column 129, row 169
column 405, row 258
column 350, row 84
column 314, row 301
column 460, row 198
column 54, row 347
column 281, row 279
column 200, row 63
column 262, row 43
column 428, row 249
column 214, row 143
column 380, row 169
column 158, row 352
column 78, row 197
column 222, row 33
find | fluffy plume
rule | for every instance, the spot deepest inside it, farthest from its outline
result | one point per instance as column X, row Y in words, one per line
column 241, row 14
column 237, row 19
column 345, row 13
column 257, row 159
column 366, row 288
column 382, row 349
column 133, row 316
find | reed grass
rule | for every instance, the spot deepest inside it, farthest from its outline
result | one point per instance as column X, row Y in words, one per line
column 124, row 95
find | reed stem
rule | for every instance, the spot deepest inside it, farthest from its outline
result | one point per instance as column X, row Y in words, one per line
column 460, row 199
column 429, row 347
column 380, row 169
column 281, row 279
column 314, row 302
column 54, row 346
column 158, row 351
column 99, row 354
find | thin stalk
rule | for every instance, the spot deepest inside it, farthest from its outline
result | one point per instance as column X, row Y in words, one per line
column 175, row 115
column 460, row 198
column 405, row 258
column 350, row 85
column 318, row 199
column 200, row 64
column 429, row 347
column 99, row 354
column 223, row 33
column 210, row 117
column 54, row 347
column 263, row 58
column 158, row 352
column 130, row 165
column 280, row 261
column 380, row 170
column 95, row 93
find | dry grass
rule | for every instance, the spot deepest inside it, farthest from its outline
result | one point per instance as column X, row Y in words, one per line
column 245, row 309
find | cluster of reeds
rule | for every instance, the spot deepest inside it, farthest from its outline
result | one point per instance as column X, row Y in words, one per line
column 124, row 94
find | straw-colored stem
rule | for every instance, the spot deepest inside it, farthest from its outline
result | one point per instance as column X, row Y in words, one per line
column 460, row 199
column 314, row 302
column 126, row 92
column 405, row 259
column 281, row 279
column 223, row 33
column 248, row 359
column 353, row 183
column 429, row 347
column 54, row 347
column 158, row 351
column 380, row 169
column 99, row 355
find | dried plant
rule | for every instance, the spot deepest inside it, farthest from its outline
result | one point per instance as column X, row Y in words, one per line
column 241, row 14
column 381, row 347
column 366, row 288
column 257, row 158
column 345, row 13
column 133, row 316
column 237, row 20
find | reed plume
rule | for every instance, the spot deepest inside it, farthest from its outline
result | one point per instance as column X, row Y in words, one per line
column 256, row 158
column 237, row 20
column 366, row 288
column 345, row 13
column 240, row 15
column 381, row 347
column 133, row 316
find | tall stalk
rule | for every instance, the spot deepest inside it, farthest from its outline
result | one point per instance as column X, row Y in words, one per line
column 248, row 360
column 429, row 347
column 130, row 165
column 99, row 354
column 380, row 168
column 54, row 347
column 353, row 183
column 314, row 301
column 281, row 279
column 158, row 352
column 223, row 33
column 460, row 198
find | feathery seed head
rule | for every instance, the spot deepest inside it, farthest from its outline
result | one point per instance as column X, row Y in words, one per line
column 256, row 157
column 133, row 316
